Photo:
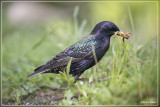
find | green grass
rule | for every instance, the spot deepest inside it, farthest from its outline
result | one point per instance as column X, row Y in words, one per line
column 132, row 67
column 133, row 71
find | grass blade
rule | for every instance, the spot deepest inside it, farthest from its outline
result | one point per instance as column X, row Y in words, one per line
column 131, row 18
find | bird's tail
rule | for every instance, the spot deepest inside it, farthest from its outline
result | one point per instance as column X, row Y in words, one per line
column 32, row 74
column 37, row 71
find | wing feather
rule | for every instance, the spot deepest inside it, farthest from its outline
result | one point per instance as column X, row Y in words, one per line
column 78, row 52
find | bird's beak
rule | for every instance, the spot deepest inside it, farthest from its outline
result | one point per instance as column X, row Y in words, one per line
column 119, row 33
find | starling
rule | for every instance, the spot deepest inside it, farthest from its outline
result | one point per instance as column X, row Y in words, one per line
column 84, row 53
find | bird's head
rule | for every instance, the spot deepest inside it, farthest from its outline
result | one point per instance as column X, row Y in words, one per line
column 106, row 27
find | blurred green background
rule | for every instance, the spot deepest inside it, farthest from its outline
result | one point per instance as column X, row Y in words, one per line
column 34, row 32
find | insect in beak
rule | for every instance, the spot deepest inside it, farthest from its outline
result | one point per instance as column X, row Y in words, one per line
column 123, row 35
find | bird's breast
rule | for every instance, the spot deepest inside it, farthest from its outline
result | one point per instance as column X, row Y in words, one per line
column 103, row 49
column 106, row 44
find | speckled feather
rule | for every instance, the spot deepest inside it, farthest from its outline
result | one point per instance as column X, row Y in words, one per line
column 81, row 52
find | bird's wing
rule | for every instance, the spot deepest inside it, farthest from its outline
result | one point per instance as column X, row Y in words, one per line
column 78, row 51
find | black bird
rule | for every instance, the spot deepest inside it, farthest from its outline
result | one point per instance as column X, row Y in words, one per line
column 84, row 53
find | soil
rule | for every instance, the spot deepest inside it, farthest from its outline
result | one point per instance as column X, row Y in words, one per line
column 40, row 97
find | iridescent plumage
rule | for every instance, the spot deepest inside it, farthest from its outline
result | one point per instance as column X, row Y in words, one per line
column 81, row 52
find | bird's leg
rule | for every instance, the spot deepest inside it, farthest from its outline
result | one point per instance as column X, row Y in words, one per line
column 83, row 79
column 99, row 80
column 76, row 77
column 80, row 79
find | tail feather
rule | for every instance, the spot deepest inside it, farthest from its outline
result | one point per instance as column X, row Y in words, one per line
column 33, row 74
column 37, row 71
